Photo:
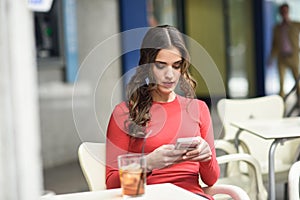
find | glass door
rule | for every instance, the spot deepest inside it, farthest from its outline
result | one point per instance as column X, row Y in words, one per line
column 272, row 17
column 239, row 48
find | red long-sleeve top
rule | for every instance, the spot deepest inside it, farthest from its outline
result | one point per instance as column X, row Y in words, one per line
column 182, row 117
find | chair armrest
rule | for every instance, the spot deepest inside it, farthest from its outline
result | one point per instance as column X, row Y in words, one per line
column 247, row 158
column 228, row 146
column 233, row 191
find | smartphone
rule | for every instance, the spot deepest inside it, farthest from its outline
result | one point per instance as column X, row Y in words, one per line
column 188, row 143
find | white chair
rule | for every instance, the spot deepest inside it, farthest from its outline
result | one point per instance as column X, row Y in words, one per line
column 266, row 107
column 92, row 162
column 249, row 179
column 294, row 176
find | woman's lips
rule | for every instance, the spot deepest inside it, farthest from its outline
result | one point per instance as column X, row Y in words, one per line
column 168, row 84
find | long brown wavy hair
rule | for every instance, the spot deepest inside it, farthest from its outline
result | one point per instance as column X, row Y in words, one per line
column 142, row 83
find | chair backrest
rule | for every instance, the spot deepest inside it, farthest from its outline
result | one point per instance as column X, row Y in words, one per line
column 294, row 176
column 92, row 162
column 241, row 109
column 266, row 107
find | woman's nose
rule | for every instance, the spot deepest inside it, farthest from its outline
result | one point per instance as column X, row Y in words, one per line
column 169, row 72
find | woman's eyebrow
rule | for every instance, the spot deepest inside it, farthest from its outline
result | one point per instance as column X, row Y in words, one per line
column 163, row 62
column 177, row 62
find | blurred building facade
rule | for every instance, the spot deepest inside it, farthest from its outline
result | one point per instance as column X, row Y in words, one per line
column 235, row 34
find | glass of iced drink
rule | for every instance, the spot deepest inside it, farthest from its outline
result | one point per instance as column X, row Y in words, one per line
column 132, row 170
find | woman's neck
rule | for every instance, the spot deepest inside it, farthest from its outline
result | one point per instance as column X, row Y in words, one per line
column 158, row 97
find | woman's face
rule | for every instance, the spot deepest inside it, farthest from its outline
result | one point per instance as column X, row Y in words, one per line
column 167, row 71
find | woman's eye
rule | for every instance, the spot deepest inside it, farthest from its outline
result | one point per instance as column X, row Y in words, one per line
column 159, row 65
column 163, row 65
column 177, row 66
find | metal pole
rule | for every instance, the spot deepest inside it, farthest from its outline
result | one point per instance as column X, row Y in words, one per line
column 271, row 189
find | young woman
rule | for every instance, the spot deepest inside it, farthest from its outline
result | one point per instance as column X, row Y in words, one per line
column 154, row 116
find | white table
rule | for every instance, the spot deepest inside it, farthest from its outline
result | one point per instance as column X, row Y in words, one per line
column 166, row 191
column 278, row 130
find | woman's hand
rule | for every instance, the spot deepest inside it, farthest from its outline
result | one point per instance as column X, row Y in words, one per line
column 201, row 154
column 164, row 156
